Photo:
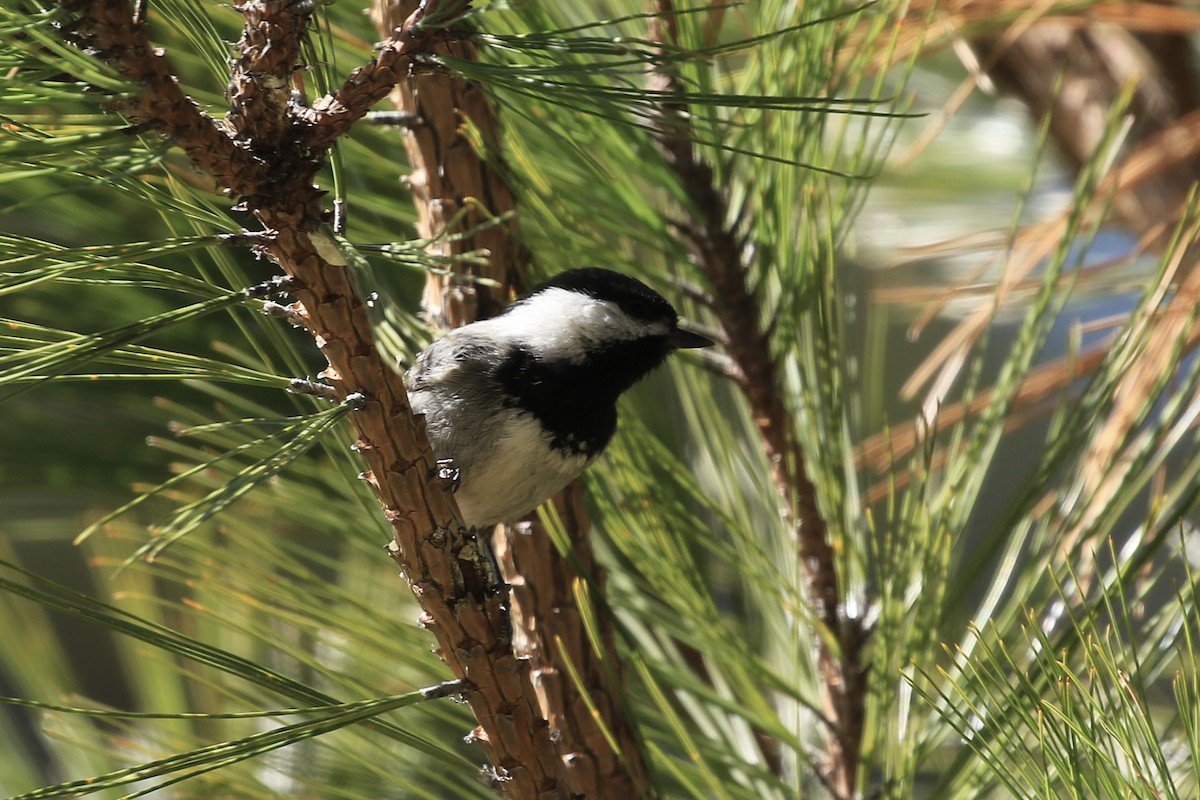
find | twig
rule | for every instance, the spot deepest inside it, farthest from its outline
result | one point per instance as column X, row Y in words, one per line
column 716, row 250
column 109, row 27
column 332, row 115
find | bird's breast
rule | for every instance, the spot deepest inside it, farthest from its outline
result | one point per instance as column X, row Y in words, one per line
column 514, row 472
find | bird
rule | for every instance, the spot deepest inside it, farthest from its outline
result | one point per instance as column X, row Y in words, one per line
column 518, row 405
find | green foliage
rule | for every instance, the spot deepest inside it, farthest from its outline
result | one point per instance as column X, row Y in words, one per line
column 1003, row 663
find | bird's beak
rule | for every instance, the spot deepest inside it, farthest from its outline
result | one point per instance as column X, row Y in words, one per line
column 681, row 338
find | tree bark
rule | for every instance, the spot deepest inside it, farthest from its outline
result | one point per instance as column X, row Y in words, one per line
column 450, row 176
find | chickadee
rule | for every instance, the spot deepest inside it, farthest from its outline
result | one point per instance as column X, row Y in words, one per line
column 520, row 404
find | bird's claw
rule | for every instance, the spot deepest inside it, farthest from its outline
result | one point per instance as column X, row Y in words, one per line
column 446, row 471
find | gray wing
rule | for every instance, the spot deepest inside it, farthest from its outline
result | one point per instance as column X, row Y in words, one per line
column 450, row 361
column 453, row 384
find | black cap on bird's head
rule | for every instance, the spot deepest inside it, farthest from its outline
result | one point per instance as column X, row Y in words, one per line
column 635, row 299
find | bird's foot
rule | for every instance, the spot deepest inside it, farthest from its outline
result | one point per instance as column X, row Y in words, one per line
column 446, row 471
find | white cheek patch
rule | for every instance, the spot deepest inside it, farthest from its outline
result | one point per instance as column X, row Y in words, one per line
column 561, row 324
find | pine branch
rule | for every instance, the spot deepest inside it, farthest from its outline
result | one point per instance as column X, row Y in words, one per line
column 549, row 631
column 451, row 577
column 456, row 187
column 579, row 681
column 110, row 29
column 261, row 78
column 399, row 55
column 717, row 252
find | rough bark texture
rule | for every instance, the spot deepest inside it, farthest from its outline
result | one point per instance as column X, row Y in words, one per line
column 449, row 179
column 109, row 30
column 548, row 629
column 267, row 153
column 717, row 251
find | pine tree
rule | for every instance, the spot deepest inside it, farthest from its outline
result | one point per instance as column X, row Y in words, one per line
column 225, row 220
